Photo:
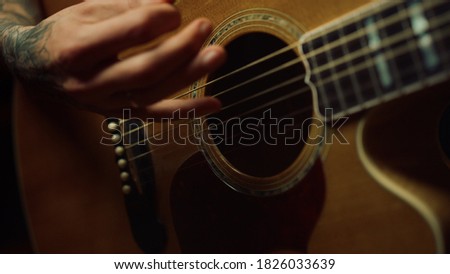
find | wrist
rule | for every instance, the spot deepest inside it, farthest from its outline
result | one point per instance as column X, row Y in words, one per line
column 8, row 42
column 5, row 40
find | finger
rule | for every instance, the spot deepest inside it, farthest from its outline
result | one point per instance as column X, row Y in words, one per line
column 106, row 39
column 206, row 62
column 92, row 11
column 124, row 5
column 175, row 108
column 193, row 107
column 153, row 66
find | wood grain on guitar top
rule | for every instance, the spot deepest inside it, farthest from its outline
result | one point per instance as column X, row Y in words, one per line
column 72, row 194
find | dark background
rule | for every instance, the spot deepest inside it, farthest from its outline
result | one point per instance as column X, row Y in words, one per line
column 13, row 230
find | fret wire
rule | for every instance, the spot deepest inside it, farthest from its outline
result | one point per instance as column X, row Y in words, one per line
column 390, row 54
column 421, row 27
column 437, row 36
column 416, row 55
column 362, row 29
column 360, row 32
column 371, row 69
column 365, row 65
column 391, row 63
column 388, row 21
column 361, row 66
column 355, row 84
column 367, row 50
column 162, row 146
column 364, row 87
column 297, row 92
column 393, row 56
column 397, row 38
column 378, row 6
column 360, row 39
column 321, row 92
column 336, row 83
column 406, row 70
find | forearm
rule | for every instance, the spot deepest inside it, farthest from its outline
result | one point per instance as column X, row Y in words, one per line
column 15, row 14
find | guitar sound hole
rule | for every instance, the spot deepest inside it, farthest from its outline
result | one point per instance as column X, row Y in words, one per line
column 259, row 131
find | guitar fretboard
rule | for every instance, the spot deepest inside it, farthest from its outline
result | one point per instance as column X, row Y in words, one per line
column 386, row 50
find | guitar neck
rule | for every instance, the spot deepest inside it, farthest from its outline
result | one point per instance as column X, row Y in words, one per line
column 385, row 50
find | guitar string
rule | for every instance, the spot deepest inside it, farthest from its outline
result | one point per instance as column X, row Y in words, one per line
column 292, row 114
column 323, row 82
column 192, row 122
column 223, row 153
column 298, row 60
column 396, row 39
column 266, row 91
column 391, row 55
column 295, row 113
column 252, row 64
column 357, row 34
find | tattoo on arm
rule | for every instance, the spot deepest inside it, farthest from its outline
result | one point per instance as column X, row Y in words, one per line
column 13, row 14
column 25, row 51
column 23, row 46
column 17, row 13
column 19, row 44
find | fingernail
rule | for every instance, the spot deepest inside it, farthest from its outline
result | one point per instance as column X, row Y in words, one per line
column 205, row 27
column 210, row 57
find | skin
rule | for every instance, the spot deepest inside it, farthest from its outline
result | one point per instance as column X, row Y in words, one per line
column 72, row 55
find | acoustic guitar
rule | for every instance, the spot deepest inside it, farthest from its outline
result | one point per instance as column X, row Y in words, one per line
column 294, row 175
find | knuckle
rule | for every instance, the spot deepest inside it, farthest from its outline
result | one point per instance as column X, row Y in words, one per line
column 88, row 9
column 154, row 21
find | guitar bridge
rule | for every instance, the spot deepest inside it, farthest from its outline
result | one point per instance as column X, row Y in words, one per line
column 138, row 183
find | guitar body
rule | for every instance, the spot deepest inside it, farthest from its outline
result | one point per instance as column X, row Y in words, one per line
column 384, row 192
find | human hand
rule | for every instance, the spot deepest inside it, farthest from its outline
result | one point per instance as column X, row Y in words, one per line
column 73, row 55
